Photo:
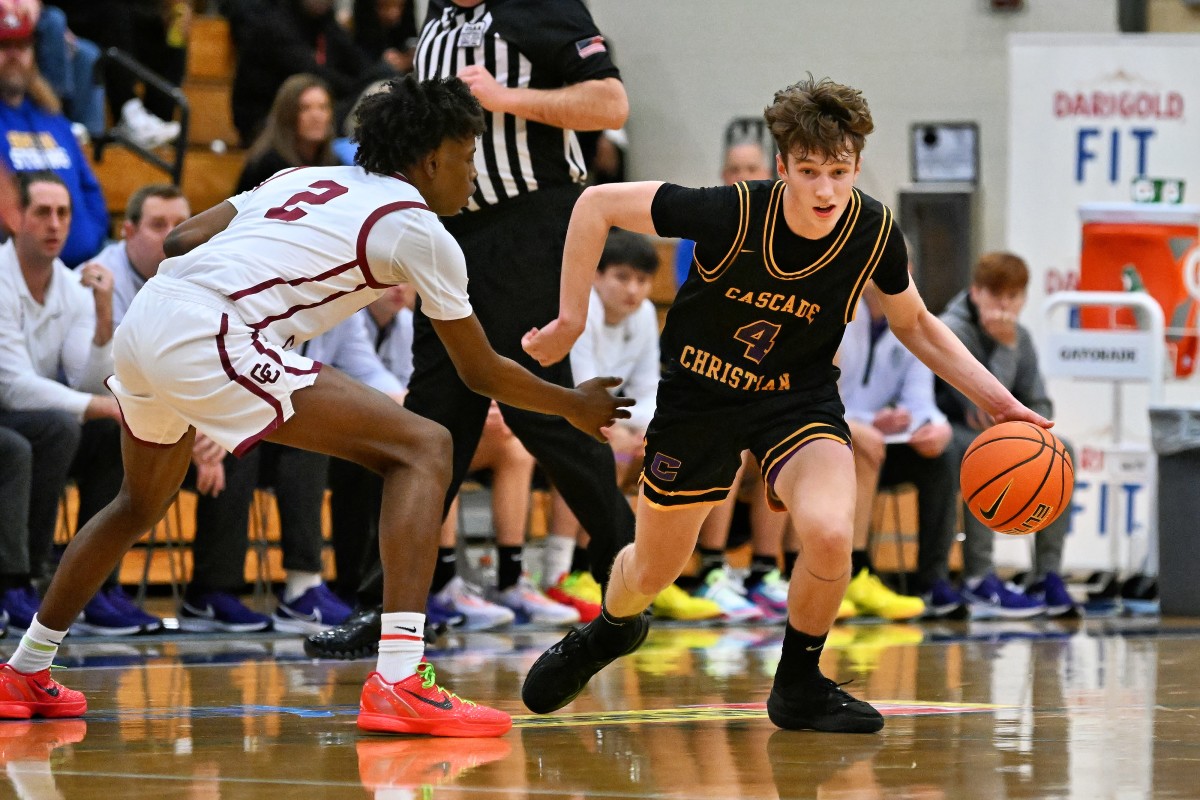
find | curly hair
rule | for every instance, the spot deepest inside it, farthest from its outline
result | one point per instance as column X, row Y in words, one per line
column 822, row 118
column 400, row 125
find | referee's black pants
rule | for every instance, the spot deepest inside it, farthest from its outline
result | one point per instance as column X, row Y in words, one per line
column 514, row 258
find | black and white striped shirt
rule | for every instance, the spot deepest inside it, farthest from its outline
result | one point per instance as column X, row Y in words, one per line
column 535, row 44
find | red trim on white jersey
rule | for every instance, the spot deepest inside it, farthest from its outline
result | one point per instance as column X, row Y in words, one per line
column 249, row 386
column 360, row 247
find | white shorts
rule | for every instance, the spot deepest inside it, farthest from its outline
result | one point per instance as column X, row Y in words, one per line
column 184, row 357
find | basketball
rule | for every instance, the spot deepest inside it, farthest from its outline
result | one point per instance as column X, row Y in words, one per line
column 1017, row 477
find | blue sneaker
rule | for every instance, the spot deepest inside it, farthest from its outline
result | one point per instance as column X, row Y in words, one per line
column 944, row 602
column 219, row 611
column 1052, row 591
column 990, row 597
column 20, row 604
column 439, row 616
column 318, row 609
column 118, row 599
column 99, row 618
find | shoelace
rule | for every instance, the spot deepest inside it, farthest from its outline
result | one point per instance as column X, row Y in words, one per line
column 429, row 680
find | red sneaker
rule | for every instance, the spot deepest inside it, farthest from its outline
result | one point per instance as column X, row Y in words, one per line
column 405, row 763
column 579, row 591
column 35, row 741
column 418, row 705
column 37, row 695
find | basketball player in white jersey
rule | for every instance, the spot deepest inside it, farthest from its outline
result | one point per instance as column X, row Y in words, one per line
column 208, row 345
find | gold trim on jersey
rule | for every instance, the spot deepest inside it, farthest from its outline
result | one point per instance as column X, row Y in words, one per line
column 684, row 493
column 710, row 275
column 885, row 232
column 828, row 432
column 774, row 210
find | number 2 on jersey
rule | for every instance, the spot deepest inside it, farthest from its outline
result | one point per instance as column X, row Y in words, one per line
column 759, row 338
column 327, row 190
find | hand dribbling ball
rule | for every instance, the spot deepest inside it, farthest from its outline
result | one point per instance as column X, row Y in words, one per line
column 1017, row 477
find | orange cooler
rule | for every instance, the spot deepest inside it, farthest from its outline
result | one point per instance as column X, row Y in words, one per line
column 1140, row 247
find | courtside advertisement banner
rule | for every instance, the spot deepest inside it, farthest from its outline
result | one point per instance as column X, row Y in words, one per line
column 1089, row 113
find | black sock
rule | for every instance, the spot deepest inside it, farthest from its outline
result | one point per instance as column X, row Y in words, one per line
column 760, row 565
column 508, row 571
column 801, row 657
column 789, row 562
column 860, row 560
column 612, row 635
column 445, row 569
column 711, row 559
column 580, row 561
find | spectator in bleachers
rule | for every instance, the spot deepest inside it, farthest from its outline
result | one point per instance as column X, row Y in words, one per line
column 386, row 33
column 155, row 33
column 34, row 135
column 297, row 133
column 283, row 39
column 984, row 317
column 620, row 338
column 68, row 62
column 53, row 322
column 898, row 436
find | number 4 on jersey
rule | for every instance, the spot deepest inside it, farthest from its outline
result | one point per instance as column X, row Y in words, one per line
column 759, row 338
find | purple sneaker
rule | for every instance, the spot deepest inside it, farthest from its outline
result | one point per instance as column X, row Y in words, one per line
column 439, row 616
column 944, row 602
column 1052, row 591
column 20, row 603
column 118, row 599
column 99, row 618
column 990, row 598
column 219, row 611
column 318, row 609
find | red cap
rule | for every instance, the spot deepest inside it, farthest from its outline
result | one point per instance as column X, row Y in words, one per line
column 15, row 24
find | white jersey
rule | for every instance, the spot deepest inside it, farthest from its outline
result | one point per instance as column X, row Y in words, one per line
column 311, row 246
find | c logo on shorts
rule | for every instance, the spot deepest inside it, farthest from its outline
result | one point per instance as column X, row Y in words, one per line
column 264, row 374
column 665, row 468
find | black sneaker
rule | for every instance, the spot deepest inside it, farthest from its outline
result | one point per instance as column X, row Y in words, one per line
column 562, row 672
column 821, row 705
column 357, row 637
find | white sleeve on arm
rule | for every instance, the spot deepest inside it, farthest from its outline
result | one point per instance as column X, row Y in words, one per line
column 917, row 393
column 412, row 246
column 642, row 382
column 85, row 365
column 21, row 388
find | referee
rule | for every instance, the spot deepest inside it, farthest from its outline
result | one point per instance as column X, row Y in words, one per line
column 541, row 70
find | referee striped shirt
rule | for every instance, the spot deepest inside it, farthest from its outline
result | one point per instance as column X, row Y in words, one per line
column 534, row 44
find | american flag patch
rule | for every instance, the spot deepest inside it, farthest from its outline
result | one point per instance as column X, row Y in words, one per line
column 589, row 47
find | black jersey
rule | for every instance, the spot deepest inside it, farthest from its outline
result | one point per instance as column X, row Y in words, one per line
column 762, row 309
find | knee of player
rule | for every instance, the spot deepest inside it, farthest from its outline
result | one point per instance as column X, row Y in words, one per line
column 826, row 542
column 140, row 513
column 649, row 579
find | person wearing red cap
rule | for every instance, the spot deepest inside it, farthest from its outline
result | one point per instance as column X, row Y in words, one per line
column 34, row 135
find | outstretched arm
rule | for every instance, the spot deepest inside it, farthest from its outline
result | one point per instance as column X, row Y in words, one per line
column 621, row 205
column 928, row 338
column 590, row 407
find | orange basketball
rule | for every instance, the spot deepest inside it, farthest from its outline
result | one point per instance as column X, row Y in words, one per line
column 1017, row 477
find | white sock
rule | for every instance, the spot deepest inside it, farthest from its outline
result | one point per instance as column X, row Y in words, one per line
column 557, row 554
column 37, row 649
column 401, row 646
column 297, row 583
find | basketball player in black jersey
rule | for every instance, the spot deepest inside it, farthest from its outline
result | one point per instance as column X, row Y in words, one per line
column 748, row 349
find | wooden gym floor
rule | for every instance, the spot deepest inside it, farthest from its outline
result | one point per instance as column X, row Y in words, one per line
column 1104, row 708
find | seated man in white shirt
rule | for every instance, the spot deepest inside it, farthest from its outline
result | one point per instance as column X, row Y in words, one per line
column 56, row 330
column 621, row 338
column 899, row 436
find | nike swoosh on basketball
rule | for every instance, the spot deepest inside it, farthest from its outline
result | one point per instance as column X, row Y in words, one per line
column 991, row 512
column 445, row 705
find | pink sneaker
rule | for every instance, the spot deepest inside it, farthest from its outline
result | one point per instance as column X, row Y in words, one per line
column 38, row 695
